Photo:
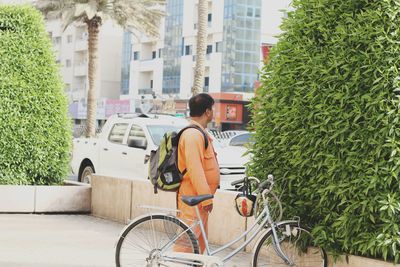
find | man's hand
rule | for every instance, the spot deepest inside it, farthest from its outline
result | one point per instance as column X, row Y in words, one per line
column 208, row 208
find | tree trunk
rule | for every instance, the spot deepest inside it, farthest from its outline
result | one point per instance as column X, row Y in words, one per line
column 201, row 47
column 93, row 29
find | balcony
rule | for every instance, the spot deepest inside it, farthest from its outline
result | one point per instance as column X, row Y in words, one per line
column 81, row 45
column 81, row 69
column 150, row 64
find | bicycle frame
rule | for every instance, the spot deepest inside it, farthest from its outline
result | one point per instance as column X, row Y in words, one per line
column 258, row 226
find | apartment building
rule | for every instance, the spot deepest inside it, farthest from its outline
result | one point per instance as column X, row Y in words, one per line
column 237, row 29
column 71, row 52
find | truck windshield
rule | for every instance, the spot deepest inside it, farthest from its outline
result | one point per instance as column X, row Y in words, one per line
column 157, row 131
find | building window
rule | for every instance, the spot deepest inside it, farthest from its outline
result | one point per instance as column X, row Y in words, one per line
column 56, row 40
column 209, row 17
column 68, row 63
column 159, row 53
column 249, row 11
column 188, row 50
column 69, row 39
column 136, row 55
column 154, row 55
column 151, row 84
column 209, row 49
column 218, row 47
column 206, row 83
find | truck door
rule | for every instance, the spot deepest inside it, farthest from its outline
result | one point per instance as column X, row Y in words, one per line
column 134, row 166
column 112, row 152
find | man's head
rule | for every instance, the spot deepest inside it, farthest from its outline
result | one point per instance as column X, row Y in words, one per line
column 201, row 105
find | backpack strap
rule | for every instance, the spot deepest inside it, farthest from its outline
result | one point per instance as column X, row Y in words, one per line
column 179, row 136
column 198, row 128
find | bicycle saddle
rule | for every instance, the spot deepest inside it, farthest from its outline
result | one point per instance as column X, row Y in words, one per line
column 194, row 200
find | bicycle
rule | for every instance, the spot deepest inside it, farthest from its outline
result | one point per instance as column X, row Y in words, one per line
column 150, row 239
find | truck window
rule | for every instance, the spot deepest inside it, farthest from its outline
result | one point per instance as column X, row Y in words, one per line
column 136, row 133
column 157, row 131
column 117, row 133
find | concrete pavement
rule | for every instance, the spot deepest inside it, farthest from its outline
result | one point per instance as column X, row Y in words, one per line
column 31, row 240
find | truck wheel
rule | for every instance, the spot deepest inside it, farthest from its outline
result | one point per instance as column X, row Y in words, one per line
column 86, row 174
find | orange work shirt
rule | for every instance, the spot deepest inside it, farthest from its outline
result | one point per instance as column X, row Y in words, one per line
column 202, row 170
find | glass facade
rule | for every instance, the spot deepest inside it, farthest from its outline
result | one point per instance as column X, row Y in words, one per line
column 126, row 60
column 173, row 48
column 241, row 45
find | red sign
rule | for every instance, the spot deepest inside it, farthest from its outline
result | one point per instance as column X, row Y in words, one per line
column 265, row 50
column 231, row 112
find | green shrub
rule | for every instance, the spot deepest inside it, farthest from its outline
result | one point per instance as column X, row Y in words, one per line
column 327, row 122
column 34, row 127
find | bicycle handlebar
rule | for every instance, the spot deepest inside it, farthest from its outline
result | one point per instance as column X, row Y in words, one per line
column 267, row 184
column 240, row 181
column 245, row 179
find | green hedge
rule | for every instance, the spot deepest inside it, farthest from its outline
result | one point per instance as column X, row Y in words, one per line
column 327, row 122
column 35, row 136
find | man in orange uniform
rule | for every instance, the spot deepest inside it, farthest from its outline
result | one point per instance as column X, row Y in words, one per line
column 202, row 170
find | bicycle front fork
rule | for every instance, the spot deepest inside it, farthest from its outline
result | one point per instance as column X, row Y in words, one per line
column 277, row 246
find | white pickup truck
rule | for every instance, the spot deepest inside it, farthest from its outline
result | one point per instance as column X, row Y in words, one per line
column 123, row 147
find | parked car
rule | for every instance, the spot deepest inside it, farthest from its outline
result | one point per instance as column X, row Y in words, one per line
column 241, row 139
column 123, row 147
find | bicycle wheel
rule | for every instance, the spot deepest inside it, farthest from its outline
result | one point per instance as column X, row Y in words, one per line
column 142, row 240
column 296, row 242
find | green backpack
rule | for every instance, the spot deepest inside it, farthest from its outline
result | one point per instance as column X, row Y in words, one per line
column 163, row 168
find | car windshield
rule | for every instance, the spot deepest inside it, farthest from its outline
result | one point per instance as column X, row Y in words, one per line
column 241, row 140
column 157, row 131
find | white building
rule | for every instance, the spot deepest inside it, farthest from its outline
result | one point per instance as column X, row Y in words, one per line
column 71, row 49
column 237, row 30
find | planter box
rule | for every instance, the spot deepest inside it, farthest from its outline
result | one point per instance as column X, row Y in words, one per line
column 71, row 197
column 63, row 198
column 15, row 198
column 356, row 261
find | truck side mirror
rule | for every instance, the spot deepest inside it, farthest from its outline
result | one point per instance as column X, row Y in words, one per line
column 138, row 143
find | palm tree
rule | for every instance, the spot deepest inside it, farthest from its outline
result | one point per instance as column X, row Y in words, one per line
column 138, row 15
column 201, row 47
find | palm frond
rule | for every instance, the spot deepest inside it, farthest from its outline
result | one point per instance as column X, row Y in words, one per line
column 139, row 15
column 142, row 15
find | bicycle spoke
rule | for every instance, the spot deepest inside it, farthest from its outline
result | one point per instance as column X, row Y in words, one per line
column 290, row 239
column 144, row 239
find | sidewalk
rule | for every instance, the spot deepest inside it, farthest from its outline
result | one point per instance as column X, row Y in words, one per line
column 29, row 240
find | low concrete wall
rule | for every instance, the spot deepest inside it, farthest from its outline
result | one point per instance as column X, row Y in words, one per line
column 16, row 199
column 63, row 199
column 121, row 200
column 225, row 223
column 111, row 198
column 45, row 199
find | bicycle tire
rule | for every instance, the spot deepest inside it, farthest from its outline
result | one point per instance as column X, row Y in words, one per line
column 290, row 234
column 164, row 225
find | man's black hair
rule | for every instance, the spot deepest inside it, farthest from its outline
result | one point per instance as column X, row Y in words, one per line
column 199, row 103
